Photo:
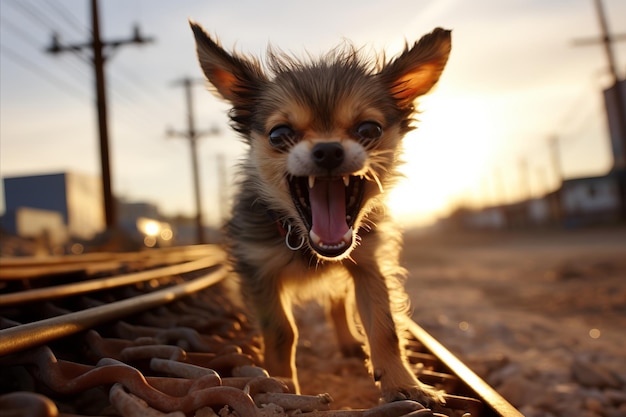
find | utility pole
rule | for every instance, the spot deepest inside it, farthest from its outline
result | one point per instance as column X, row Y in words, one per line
column 193, row 135
column 615, row 92
column 98, row 59
column 555, row 160
column 557, row 169
column 524, row 179
column 542, row 184
column 607, row 42
column 498, row 187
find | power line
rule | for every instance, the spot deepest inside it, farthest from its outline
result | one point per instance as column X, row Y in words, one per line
column 31, row 12
column 41, row 72
column 133, row 85
column 68, row 16
column 21, row 33
column 571, row 118
column 27, row 38
column 73, row 21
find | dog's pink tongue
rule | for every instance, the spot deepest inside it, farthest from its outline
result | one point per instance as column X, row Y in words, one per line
column 328, row 207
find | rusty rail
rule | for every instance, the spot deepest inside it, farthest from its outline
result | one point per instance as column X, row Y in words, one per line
column 19, row 268
column 178, row 357
column 59, row 291
column 33, row 334
column 493, row 401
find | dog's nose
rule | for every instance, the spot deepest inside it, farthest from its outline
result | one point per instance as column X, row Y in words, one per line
column 328, row 155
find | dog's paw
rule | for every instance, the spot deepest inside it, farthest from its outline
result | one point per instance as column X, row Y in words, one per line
column 423, row 394
column 408, row 388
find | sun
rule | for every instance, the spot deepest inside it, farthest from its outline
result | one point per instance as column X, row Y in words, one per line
column 445, row 159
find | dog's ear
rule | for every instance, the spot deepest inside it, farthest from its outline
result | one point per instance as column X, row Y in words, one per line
column 235, row 78
column 418, row 68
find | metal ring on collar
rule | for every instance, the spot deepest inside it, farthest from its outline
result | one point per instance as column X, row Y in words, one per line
column 287, row 239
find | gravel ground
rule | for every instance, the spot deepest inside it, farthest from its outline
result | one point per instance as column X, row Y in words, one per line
column 541, row 316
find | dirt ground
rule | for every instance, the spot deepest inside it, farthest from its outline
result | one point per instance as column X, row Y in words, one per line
column 541, row 316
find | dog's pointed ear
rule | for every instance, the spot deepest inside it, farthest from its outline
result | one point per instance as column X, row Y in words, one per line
column 417, row 69
column 234, row 78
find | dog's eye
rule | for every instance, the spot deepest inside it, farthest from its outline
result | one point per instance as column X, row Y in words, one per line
column 281, row 136
column 369, row 131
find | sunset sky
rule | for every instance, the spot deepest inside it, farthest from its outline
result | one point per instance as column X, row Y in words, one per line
column 514, row 80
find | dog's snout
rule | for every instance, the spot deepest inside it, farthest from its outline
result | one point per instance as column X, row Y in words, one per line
column 328, row 155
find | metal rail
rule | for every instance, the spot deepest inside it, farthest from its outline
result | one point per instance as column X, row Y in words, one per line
column 17, row 343
column 29, row 335
column 18, row 268
column 67, row 290
column 476, row 384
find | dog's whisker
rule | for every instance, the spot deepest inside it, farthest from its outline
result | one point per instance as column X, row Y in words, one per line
column 380, row 186
column 371, row 175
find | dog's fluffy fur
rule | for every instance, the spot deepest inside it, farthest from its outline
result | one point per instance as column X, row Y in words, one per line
column 323, row 145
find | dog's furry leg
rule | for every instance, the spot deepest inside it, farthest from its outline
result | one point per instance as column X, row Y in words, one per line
column 279, row 338
column 396, row 379
column 274, row 316
column 342, row 314
column 379, row 297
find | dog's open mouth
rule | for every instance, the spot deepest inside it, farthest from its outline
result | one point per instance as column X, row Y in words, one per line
column 329, row 207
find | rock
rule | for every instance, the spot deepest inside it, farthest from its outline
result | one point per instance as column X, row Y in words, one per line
column 616, row 397
column 594, row 405
column 485, row 364
column 499, row 376
column 593, row 374
column 616, row 412
column 519, row 391
column 529, row 411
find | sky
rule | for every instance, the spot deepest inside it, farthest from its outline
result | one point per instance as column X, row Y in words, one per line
column 515, row 81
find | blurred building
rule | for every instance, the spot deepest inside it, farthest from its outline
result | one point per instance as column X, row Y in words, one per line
column 77, row 198
column 579, row 202
column 46, row 226
column 591, row 200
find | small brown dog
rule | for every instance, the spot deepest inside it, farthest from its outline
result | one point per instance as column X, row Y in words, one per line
column 324, row 142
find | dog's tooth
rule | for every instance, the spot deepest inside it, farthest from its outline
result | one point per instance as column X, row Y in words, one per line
column 346, row 180
column 315, row 238
column 348, row 235
column 311, row 181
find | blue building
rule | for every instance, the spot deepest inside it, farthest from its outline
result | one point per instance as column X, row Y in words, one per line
column 77, row 197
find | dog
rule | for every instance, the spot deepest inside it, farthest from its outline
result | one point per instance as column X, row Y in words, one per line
column 323, row 145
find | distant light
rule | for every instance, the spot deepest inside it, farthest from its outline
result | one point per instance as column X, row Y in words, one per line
column 167, row 234
column 464, row 326
column 148, row 227
column 152, row 228
column 594, row 333
column 149, row 241
column 77, row 249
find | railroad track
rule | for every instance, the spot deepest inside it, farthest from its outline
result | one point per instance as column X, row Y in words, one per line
column 156, row 333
